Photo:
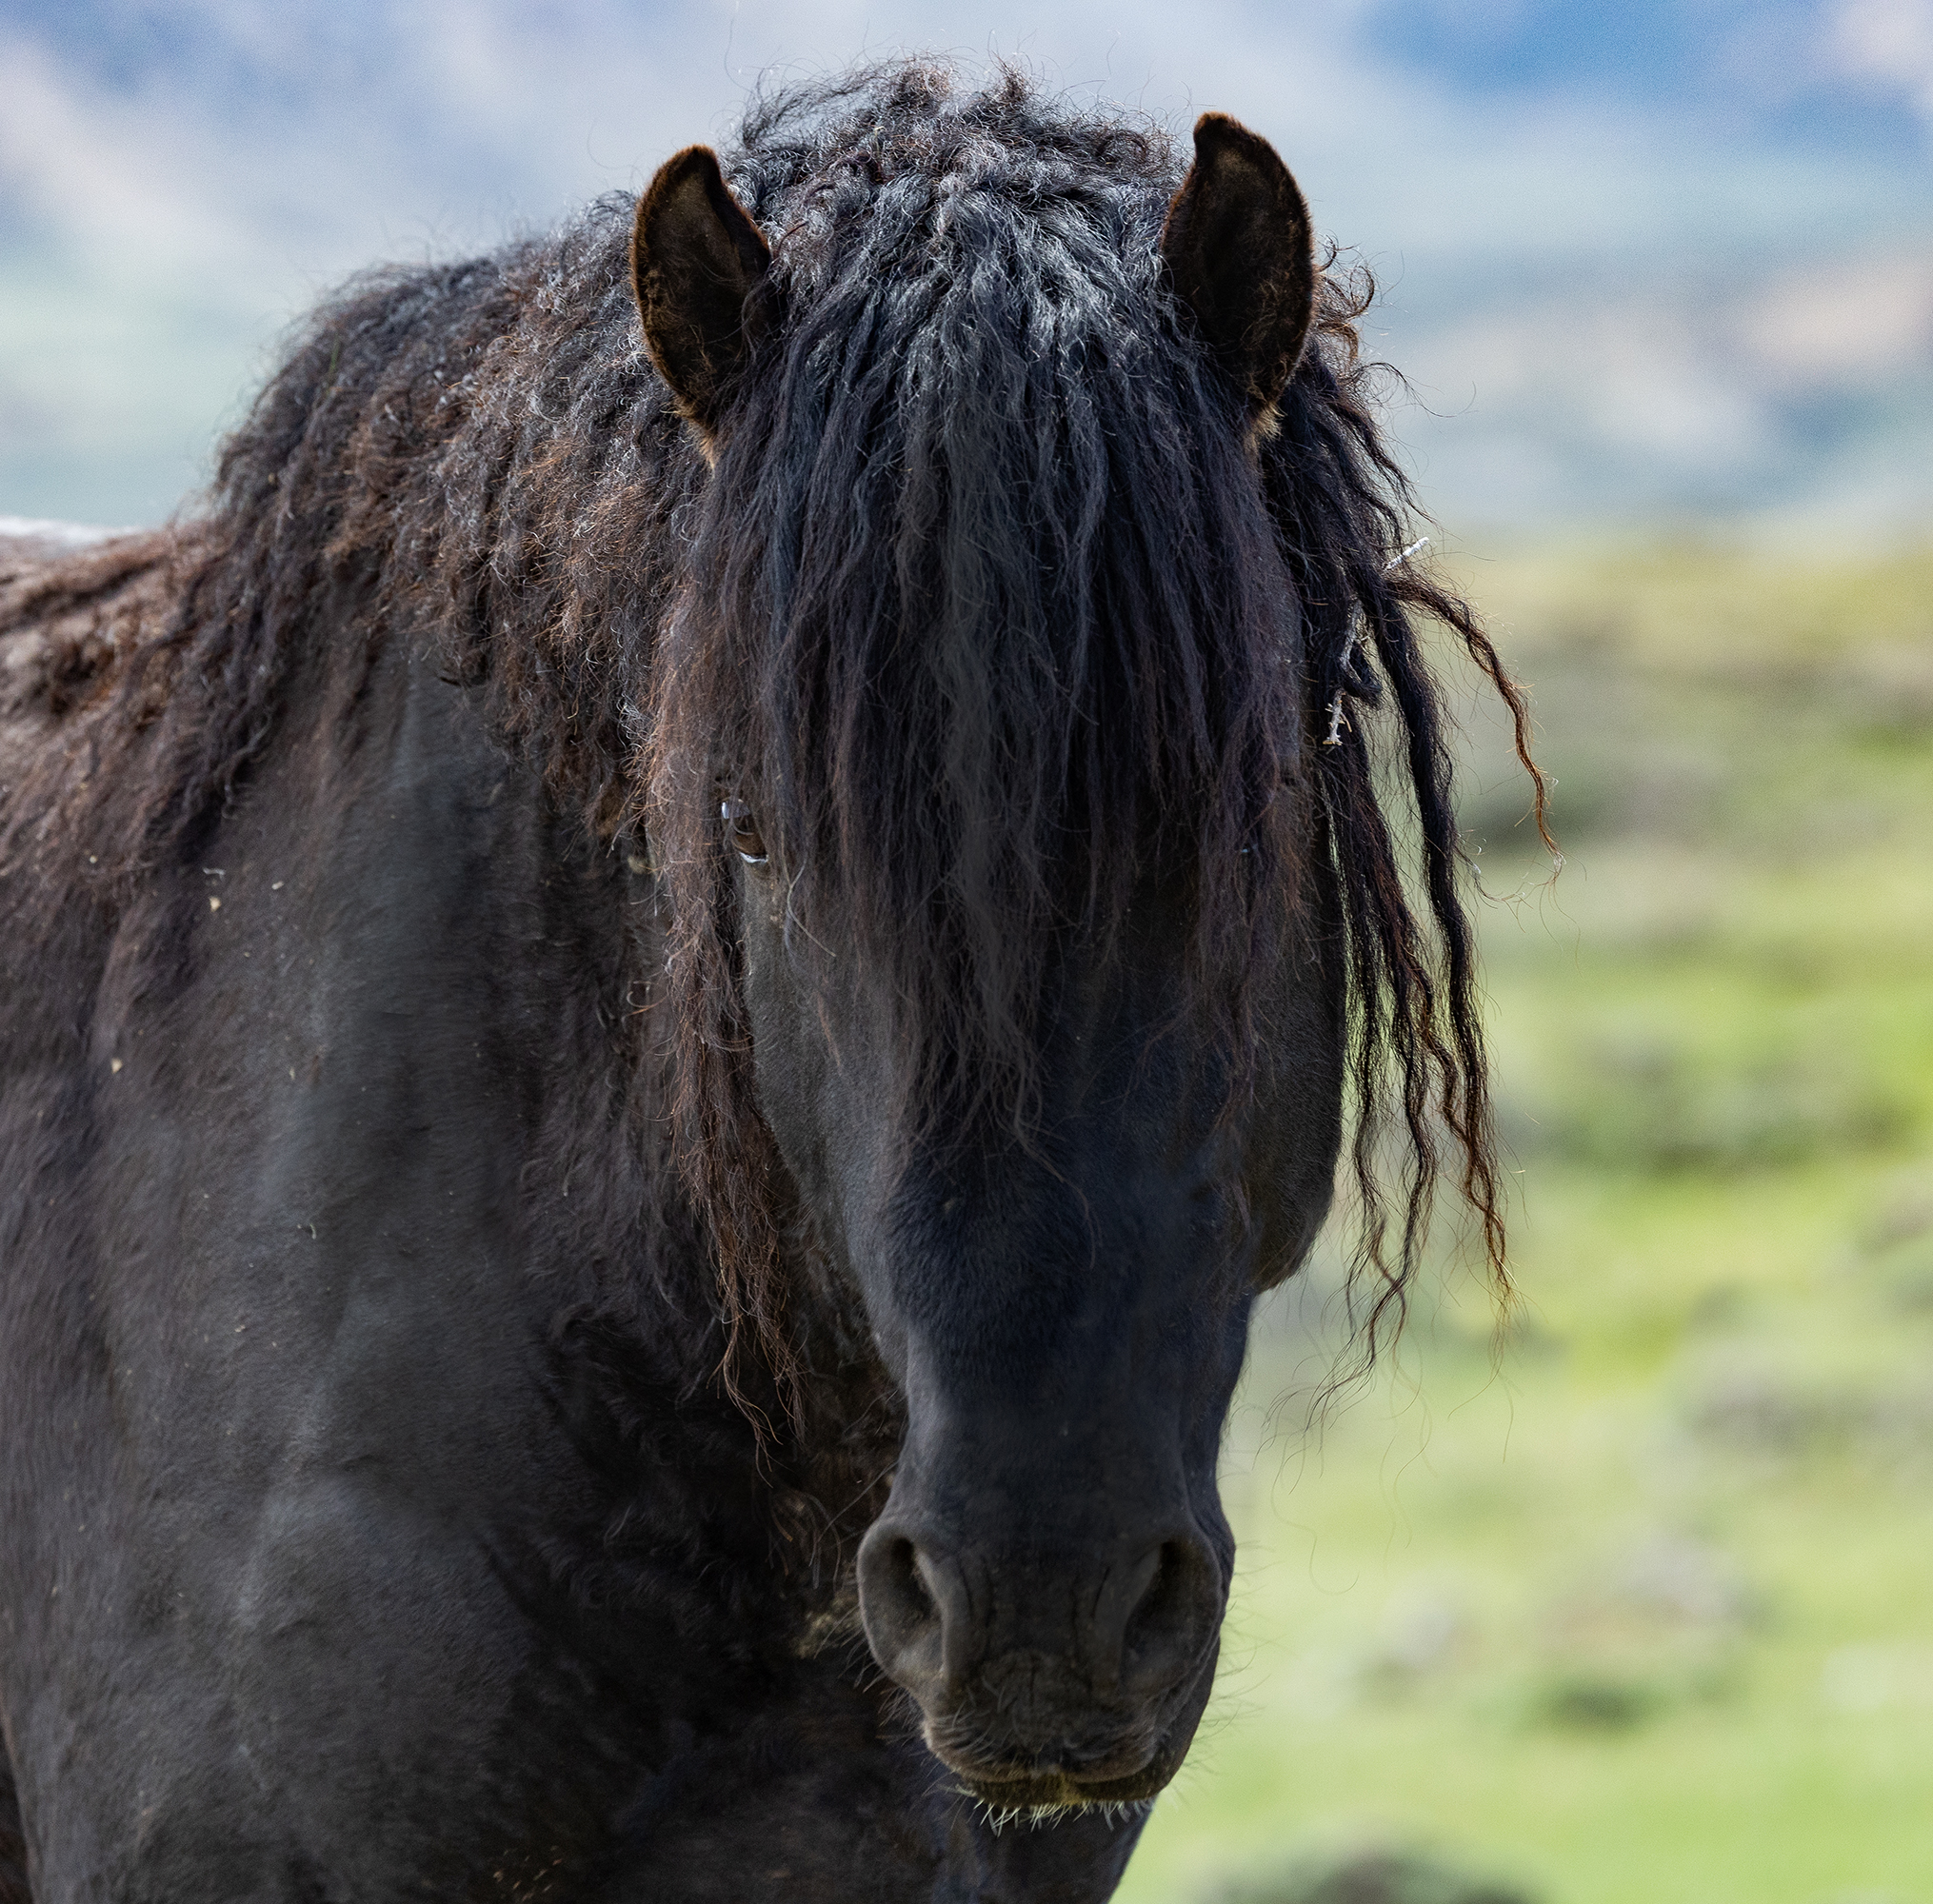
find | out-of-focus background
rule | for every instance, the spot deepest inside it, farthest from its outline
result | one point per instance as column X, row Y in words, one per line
column 1659, row 261
column 1636, row 1605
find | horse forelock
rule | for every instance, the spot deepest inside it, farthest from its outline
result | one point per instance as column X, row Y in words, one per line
column 1011, row 614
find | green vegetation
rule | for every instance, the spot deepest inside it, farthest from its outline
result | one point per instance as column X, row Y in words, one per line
column 1636, row 1606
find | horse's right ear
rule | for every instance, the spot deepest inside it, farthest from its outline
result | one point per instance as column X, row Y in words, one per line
column 1241, row 255
column 695, row 258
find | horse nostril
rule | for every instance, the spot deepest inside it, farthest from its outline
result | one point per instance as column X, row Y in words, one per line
column 1172, row 1616
column 900, row 1596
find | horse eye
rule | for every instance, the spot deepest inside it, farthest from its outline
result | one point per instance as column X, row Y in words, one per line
column 741, row 830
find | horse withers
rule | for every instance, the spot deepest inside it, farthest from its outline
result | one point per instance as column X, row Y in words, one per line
column 670, row 986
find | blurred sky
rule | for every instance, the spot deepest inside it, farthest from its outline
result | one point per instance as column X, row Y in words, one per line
column 1646, row 261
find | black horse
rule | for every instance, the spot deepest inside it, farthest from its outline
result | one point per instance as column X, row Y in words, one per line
column 666, row 995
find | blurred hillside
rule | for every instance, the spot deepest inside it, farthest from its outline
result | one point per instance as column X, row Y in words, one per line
column 1638, row 1604
column 1664, row 259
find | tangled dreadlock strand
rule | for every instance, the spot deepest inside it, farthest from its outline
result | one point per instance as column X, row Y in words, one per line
column 1344, row 506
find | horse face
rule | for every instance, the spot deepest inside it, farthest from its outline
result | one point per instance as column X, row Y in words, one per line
column 1066, row 1309
column 1067, row 1319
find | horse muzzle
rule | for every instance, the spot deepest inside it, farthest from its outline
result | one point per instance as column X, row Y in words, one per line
column 1045, row 1676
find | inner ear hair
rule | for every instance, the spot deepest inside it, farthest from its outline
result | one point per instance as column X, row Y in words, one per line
column 695, row 260
column 1241, row 256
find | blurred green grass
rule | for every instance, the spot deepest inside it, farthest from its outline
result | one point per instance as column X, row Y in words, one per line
column 1636, row 1604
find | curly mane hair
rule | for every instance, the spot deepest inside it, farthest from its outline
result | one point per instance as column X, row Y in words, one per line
column 989, row 603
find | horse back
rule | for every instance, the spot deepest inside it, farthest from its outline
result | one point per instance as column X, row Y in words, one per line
column 73, row 603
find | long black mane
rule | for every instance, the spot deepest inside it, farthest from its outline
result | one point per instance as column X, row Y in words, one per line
column 997, row 609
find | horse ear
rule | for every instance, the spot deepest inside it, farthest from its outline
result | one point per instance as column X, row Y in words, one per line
column 1241, row 256
column 695, row 257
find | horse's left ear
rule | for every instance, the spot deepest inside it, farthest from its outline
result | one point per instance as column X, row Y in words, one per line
column 695, row 258
column 1241, row 257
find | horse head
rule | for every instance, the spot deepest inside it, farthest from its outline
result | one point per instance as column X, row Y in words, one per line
column 1007, row 918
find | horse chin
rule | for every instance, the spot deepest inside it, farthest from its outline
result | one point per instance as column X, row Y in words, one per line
column 1044, row 1793
column 1129, row 1770
column 1038, row 1791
